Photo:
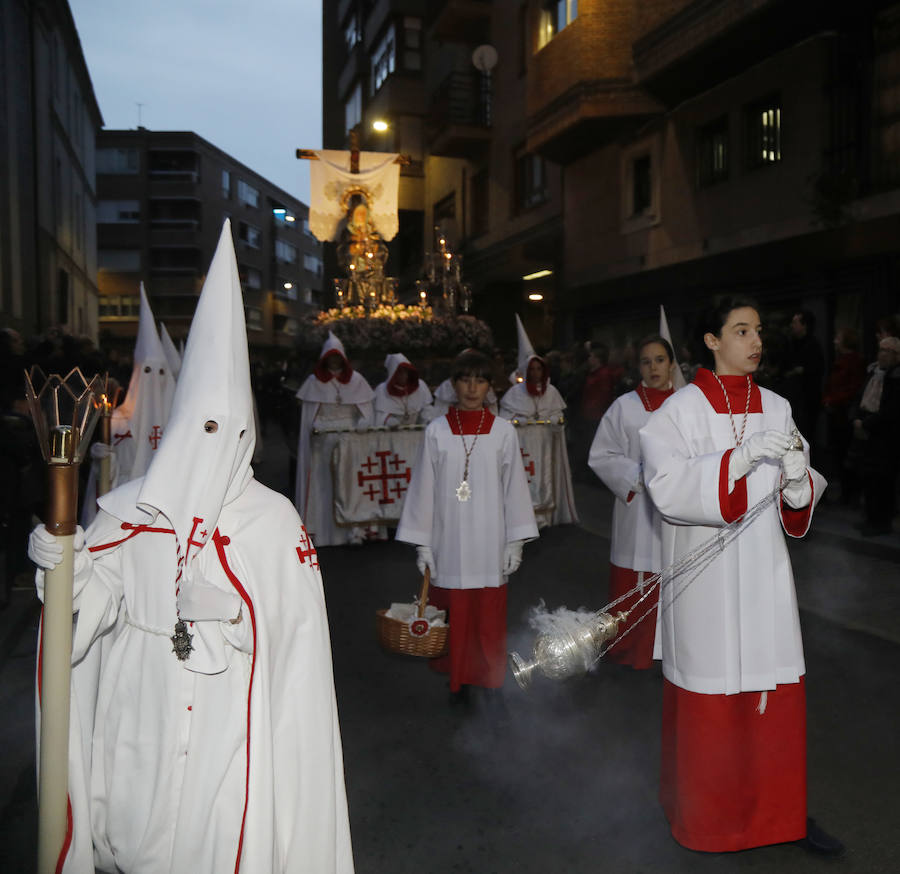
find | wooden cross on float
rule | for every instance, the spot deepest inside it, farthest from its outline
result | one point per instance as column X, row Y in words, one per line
column 310, row 154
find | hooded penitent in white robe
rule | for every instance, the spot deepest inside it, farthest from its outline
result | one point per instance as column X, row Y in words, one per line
column 173, row 356
column 139, row 422
column 636, row 547
column 229, row 760
column 733, row 763
column 400, row 405
column 445, row 397
column 329, row 403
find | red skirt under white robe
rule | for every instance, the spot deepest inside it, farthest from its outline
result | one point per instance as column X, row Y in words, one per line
column 733, row 778
column 477, row 619
column 636, row 647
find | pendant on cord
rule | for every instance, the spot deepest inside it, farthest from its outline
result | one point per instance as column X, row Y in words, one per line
column 463, row 491
column 181, row 641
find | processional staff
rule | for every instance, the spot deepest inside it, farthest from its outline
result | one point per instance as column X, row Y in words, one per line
column 64, row 411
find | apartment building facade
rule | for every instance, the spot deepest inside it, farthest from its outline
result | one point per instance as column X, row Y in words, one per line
column 162, row 199
column 632, row 153
column 49, row 118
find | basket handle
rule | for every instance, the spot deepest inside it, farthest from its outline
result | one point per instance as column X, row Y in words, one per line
column 423, row 593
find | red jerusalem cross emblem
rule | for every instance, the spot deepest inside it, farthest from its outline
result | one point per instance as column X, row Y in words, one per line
column 306, row 550
column 385, row 481
column 529, row 465
column 155, row 436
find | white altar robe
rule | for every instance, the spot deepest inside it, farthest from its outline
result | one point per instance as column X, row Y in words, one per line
column 732, row 626
column 615, row 457
column 468, row 537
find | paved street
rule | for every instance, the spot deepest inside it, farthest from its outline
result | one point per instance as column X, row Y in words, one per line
column 569, row 785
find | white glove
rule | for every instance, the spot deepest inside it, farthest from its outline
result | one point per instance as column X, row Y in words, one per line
column 425, row 559
column 763, row 444
column 46, row 551
column 101, row 450
column 512, row 557
column 797, row 491
column 199, row 601
column 638, row 485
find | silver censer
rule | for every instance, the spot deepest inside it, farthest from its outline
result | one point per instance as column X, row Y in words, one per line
column 565, row 652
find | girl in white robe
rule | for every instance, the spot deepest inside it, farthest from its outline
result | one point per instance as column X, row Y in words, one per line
column 335, row 397
column 733, row 772
column 635, row 550
column 402, row 397
column 469, row 512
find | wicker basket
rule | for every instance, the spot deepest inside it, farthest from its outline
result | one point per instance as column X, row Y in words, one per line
column 395, row 635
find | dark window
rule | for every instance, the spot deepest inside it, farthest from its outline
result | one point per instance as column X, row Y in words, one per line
column 62, row 297
column 531, row 181
column 480, row 203
column 712, row 153
column 762, row 125
column 641, row 185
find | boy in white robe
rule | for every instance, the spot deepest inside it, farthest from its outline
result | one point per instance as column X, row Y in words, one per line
column 334, row 397
column 204, row 732
column 635, row 550
column 733, row 773
column 469, row 512
column 402, row 397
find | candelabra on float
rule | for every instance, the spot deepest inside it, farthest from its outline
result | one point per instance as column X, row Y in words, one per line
column 64, row 411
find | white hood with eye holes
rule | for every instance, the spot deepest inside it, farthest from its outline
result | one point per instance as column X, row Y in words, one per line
column 145, row 411
column 203, row 462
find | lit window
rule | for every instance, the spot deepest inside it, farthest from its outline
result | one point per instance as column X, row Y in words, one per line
column 383, row 59
column 254, row 318
column 762, row 123
column 313, row 264
column 351, row 32
column 555, row 15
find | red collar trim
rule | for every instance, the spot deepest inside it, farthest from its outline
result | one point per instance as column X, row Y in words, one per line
column 736, row 386
column 652, row 398
column 469, row 420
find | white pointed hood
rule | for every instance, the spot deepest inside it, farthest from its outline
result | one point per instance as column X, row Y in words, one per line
column 144, row 413
column 678, row 380
column 393, row 361
column 526, row 353
column 204, row 461
column 173, row 356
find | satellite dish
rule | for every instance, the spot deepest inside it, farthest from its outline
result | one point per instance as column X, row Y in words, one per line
column 485, row 58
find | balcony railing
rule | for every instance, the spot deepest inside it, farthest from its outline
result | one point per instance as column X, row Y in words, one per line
column 463, row 98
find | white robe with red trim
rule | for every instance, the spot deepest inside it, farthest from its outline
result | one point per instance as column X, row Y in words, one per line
column 731, row 626
column 230, row 761
column 468, row 537
column 615, row 457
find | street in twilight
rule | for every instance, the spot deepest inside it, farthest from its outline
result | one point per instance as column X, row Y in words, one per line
column 566, row 779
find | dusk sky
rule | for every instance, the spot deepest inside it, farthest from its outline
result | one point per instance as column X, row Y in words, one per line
column 245, row 76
